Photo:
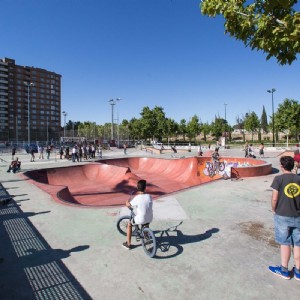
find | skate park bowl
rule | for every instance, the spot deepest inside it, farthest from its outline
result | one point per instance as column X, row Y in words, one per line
column 110, row 182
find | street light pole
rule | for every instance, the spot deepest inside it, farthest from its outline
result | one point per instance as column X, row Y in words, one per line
column 225, row 123
column 272, row 91
column 112, row 102
column 47, row 132
column 65, row 115
column 28, row 84
column 17, row 131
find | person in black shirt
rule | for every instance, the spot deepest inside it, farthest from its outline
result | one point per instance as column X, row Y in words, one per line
column 286, row 206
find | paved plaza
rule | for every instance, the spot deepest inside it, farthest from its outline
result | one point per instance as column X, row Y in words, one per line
column 215, row 241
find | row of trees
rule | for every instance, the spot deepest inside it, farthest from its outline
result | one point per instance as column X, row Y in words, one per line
column 154, row 125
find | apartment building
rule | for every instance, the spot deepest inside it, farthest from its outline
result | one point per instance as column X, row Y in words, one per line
column 29, row 96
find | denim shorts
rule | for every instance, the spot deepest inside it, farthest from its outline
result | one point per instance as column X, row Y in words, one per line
column 287, row 230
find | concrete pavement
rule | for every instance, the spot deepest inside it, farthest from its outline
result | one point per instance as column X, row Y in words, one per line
column 215, row 242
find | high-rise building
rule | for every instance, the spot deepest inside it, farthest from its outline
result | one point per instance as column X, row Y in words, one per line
column 30, row 103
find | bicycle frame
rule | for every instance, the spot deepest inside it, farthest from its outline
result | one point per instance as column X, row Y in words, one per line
column 141, row 232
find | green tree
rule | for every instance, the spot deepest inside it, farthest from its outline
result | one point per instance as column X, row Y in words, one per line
column 252, row 123
column 134, row 127
column 89, row 130
column 272, row 26
column 182, row 128
column 287, row 117
column 153, row 122
column 193, row 128
column 171, row 127
column 160, row 122
column 264, row 121
column 205, row 129
column 217, row 127
column 72, row 124
column 147, row 123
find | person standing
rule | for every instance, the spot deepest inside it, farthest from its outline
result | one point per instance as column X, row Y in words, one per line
column 261, row 150
column 286, row 206
column 61, row 152
column 93, row 151
column 246, row 149
column 13, row 153
column 125, row 148
column 100, row 151
column 41, row 152
column 48, row 151
column 32, row 154
column 73, row 153
column 80, row 152
column 85, row 151
column 199, row 151
column 67, row 153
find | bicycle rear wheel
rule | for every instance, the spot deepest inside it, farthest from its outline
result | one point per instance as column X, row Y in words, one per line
column 122, row 226
column 148, row 242
column 221, row 166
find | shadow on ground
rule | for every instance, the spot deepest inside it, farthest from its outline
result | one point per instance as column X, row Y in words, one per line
column 29, row 267
column 170, row 241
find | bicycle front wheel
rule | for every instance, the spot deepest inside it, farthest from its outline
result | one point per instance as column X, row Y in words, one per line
column 122, row 226
column 148, row 242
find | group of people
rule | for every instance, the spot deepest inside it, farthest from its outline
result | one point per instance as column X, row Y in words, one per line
column 81, row 151
column 249, row 152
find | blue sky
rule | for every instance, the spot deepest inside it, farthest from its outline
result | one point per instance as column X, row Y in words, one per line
column 148, row 53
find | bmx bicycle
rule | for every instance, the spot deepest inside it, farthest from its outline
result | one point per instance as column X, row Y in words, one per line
column 214, row 168
column 141, row 232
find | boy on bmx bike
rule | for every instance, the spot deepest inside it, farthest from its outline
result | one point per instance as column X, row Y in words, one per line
column 144, row 212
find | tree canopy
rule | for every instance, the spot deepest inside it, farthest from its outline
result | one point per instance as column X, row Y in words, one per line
column 287, row 116
column 272, row 26
column 252, row 122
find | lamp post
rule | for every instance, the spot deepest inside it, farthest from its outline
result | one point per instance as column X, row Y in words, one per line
column 28, row 84
column 225, row 123
column 112, row 102
column 47, row 132
column 272, row 91
column 17, row 131
column 65, row 115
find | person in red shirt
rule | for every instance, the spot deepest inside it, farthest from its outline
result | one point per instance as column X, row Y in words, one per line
column 297, row 162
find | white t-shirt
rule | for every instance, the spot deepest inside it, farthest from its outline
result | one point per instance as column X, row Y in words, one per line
column 144, row 212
